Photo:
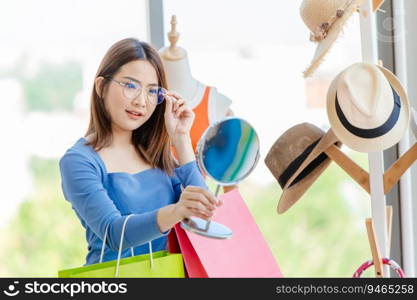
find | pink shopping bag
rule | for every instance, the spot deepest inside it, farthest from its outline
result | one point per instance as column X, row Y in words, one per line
column 245, row 254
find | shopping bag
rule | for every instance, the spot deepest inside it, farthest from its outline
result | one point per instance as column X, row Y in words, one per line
column 245, row 254
column 172, row 244
column 193, row 266
column 164, row 265
column 161, row 264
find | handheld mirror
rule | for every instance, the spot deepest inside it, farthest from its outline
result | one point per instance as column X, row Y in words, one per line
column 227, row 152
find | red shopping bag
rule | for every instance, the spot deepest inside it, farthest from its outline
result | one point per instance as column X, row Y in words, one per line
column 245, row 254
column 178, row 242
column 193, row 265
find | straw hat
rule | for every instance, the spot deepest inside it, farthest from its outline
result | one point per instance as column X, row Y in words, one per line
column 296, row 160
column 325, row 19
column 368, row 108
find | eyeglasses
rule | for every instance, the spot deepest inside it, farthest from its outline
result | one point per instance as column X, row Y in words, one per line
column 154, row 94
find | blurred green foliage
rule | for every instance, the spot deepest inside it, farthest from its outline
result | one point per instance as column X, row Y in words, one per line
column 52, row 87
column 320, row 236
column 45, row 235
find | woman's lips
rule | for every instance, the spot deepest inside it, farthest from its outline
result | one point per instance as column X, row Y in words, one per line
column 133, row 116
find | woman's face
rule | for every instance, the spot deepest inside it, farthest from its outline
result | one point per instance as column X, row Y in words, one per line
column 117, row 104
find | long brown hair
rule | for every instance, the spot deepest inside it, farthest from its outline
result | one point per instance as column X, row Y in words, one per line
column 151, row 140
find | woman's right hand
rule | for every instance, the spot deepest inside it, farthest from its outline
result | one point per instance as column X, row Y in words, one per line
column 196, row 202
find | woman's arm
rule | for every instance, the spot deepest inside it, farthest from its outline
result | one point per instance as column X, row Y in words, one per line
column 82, row 187
column 196, row 199
column 193, row 202
column 192, row 196
column 184, row 149
column 167, row 218
column 179, row 119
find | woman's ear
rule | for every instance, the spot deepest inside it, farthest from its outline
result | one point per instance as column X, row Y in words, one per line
column 98, row 85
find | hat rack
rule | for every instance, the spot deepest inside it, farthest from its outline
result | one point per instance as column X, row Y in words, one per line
column 397, row 169
column 376, row 254
column 358, row 174
column 377, row 182
column 349, row 166
column 391, row 176
column 369, row 51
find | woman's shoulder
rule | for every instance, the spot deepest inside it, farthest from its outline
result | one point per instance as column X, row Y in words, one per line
column 79, row 147
column 80, row 152
column 183, row 170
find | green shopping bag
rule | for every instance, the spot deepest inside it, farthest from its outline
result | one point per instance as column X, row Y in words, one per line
column 161, row 264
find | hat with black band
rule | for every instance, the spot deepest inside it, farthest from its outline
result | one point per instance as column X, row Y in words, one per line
column 368, row 108
column 297, row 159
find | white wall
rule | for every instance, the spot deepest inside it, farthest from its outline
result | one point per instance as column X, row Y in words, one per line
column 411, row 36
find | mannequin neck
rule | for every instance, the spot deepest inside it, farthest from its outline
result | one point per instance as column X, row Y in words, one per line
column 180, row 79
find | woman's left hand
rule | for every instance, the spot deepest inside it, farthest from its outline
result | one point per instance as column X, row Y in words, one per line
column 179, row 117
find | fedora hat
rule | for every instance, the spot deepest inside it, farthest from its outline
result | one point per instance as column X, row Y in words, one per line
column 296, row 160
column 325, row 19
column 367, row 107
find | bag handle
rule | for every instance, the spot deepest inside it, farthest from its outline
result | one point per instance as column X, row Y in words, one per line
column 120, row 247
column 104, row 244
column 385, row 261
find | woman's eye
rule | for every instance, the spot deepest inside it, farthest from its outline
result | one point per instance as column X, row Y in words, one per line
column 131, row 85
column 153, row 91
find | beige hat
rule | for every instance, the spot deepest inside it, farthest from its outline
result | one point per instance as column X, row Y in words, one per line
column 368, row 108
column 325, row 19
column 296, row 160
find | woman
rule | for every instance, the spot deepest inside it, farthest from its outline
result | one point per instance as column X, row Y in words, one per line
column 124, row 163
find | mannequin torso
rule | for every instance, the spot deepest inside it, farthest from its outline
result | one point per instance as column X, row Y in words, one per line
column 180, row 79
